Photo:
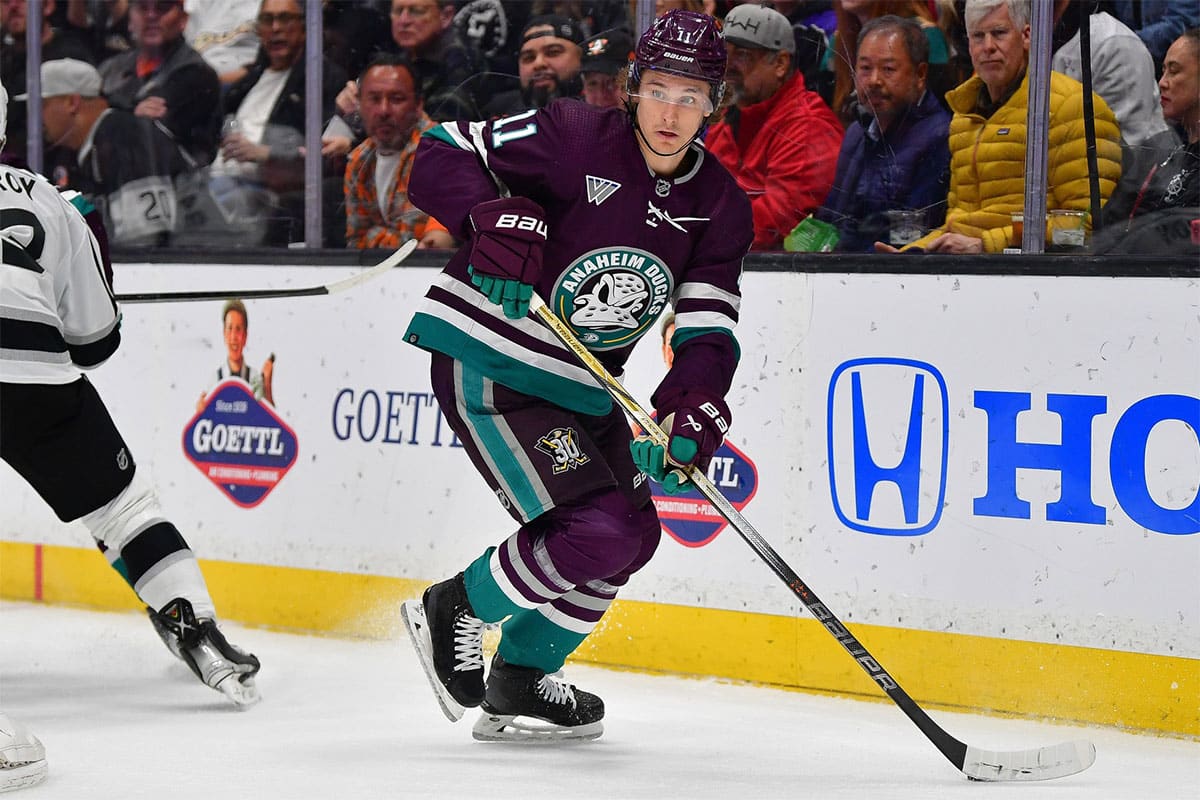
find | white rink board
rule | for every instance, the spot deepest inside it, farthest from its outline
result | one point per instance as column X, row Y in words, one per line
column 414, row 507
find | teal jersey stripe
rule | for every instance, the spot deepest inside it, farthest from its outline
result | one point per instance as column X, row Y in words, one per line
column 520, row 490
column 439, row 133
column 431, row 333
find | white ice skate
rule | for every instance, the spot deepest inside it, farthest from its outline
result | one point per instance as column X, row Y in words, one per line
column 22, row 757
column 201, row 645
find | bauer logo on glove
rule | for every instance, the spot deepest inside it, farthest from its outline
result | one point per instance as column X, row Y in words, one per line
column 506, row 251
column 695, row 429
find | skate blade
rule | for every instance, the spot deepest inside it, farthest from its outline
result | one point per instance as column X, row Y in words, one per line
column 525, row 730
column 413, row 614
column 243, row 693
column 13, row 778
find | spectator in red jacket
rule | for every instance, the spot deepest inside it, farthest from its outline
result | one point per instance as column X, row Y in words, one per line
column 779, row 140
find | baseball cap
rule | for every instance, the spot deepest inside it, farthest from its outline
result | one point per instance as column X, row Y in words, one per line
column 749, row 25
column 67, row 76
column 607, row 52
column 560, row 26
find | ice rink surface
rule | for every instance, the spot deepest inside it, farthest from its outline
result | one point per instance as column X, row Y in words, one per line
column 121, row 719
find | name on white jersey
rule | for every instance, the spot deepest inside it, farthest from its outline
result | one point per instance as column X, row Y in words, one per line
column 17, row 183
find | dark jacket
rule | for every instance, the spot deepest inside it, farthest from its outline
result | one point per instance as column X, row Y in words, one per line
column 444, row 72
column 189, row 86
column 283, row 172
column 285, row 124
column 908, row 167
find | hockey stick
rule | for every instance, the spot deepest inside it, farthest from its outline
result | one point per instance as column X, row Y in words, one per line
column 261, row 294
column 1042, row 763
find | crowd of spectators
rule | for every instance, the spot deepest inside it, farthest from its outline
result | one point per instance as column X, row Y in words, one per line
column 885, row 125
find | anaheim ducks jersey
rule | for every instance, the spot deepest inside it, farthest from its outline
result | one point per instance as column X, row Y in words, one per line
column 622, row 245
column 57, row 312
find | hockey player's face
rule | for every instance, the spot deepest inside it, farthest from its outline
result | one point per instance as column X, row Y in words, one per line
column 887, row 80
column 389, row 106
column 671, row 109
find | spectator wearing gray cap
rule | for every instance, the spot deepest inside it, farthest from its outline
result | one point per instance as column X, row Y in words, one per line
column 57, row 42
column 547, row 66
column 122, row 163
column 605, row 55
column 779, row 140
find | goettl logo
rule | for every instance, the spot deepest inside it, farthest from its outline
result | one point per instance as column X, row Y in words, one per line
column 690, row 519
column 240, row 444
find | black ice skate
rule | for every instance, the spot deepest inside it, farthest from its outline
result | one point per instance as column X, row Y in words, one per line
column 516, row 695
column 448, row 638
column 201, row 645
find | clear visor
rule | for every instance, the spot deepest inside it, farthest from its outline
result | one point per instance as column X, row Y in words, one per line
column 686, row 98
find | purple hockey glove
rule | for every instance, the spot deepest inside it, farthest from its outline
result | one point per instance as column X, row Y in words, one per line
column 695, row 423
column 506, row 251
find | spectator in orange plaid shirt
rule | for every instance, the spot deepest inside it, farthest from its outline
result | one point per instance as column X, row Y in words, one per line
column 378, row 211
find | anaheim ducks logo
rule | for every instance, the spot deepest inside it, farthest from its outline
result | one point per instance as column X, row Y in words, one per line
column 613, row 295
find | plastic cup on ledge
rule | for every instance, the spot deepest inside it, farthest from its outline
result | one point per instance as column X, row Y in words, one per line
column 905, row 226
column 1067, row 229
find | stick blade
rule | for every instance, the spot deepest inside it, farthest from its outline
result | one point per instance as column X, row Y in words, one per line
column 1040, row 764
column 403, row 252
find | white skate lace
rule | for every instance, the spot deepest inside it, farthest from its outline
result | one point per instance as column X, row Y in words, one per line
column 468, row 643
column 556, row 691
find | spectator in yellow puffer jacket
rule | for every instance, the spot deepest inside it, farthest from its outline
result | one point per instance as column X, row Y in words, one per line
column 988, row 138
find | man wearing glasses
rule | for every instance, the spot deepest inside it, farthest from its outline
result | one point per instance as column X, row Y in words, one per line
column 165, row 80
column 779, row 140
column 260, row 164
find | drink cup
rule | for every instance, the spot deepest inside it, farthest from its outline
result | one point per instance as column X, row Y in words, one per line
column 906, row 226
column 1067, row 229
column 1018, row 226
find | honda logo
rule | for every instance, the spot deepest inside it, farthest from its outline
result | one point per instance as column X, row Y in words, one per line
column 887, row 459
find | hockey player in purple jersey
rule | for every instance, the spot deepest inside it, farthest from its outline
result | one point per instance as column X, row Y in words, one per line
column 610, row 215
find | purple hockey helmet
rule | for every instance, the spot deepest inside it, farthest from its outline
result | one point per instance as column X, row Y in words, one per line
column 685, row 43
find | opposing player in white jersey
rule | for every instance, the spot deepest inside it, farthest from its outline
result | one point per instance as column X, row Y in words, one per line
column 610, row 214
column 58, row 316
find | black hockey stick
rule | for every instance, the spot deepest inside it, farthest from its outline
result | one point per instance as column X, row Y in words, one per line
column 261, row 294
column 1041, row 763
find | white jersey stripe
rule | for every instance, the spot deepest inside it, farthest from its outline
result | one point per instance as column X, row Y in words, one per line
column 703, row 319
column 706, row 291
